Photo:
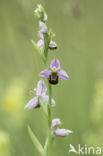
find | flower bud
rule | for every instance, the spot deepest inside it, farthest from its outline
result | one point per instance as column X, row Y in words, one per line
column 40, row 13
column 40, row 44
column 55, row 124
column 43, row 28
column 52, row 45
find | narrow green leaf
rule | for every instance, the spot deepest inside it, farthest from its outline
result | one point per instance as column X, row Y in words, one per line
column 46, row 145
column 38, row 50
column 43, row 104
column 36, row 141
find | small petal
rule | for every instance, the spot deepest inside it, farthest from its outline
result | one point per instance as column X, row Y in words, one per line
column 40, row 44
column 45, row 17
column 62, row 75
column 62, row 132
column 53, row 103
column 33, row 103
column 52, row 45
column 55, row 63
column 55, row 124
column 41, row 88
column 46, row 98
column 43, row 27
column 41, row 36
column 45, row 73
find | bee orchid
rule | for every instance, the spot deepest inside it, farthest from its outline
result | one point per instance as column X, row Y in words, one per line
column 54, row 72
column 40, row 92
column 56, row 123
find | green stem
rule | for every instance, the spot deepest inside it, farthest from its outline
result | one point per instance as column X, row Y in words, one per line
column 49, row 117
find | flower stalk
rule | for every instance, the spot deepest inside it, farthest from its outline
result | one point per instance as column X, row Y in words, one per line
column 53, row 74
column 49, row 116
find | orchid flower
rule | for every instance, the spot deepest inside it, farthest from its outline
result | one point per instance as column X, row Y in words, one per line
column 62, row 132
column 40, row 92
column 54, row 72
column 56, row 123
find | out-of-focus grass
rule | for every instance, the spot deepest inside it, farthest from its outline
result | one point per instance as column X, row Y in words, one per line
column 79, row 27
column 4, row 144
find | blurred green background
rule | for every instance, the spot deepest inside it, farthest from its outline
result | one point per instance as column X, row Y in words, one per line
column 78, row 25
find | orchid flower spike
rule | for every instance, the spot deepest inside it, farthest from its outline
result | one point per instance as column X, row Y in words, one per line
column 40, row 92
column 56, row 123
column 54, row 72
